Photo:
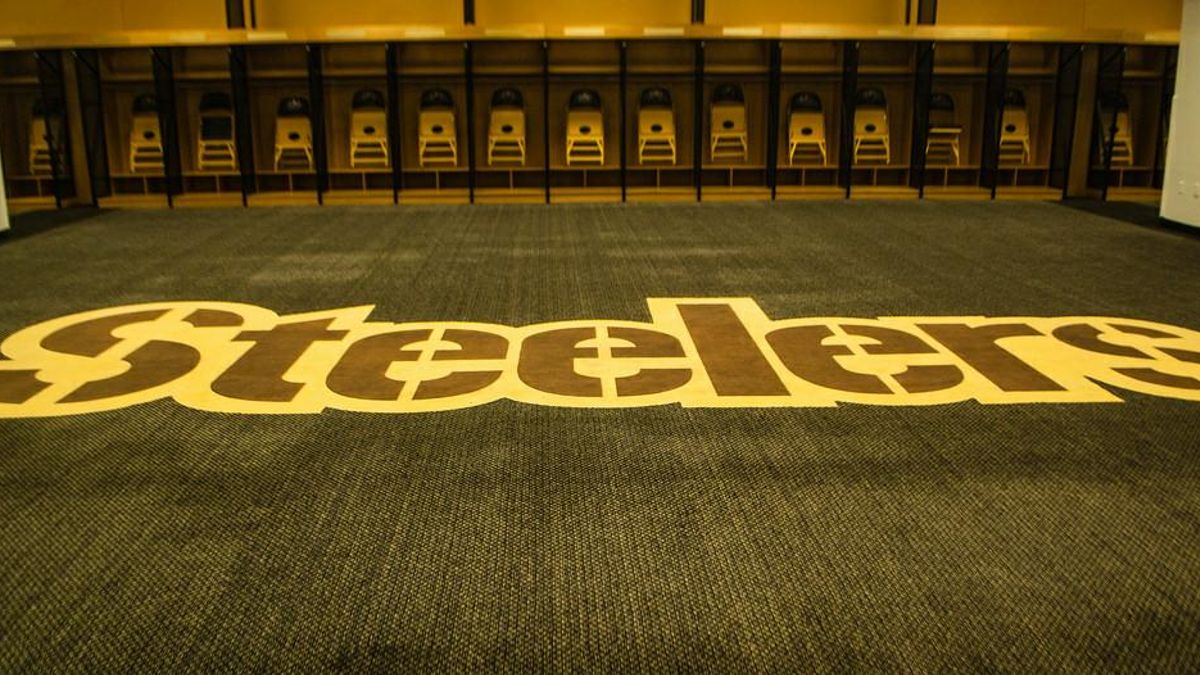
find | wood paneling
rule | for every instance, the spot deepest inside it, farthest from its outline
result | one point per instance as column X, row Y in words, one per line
column 282, row 14
column 759, row 12
column 576, row 13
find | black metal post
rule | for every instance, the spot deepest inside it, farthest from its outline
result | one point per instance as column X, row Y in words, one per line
column 698, row 11
column 698, row 121
column 546, row 117
column 316, row 94
column 394, row 112
column 1066, row 100
column 927, row 12
column 1109, row 80
column 846, row 129
column 993, row 115
column 1163, row 124
column 773, row 86
column 235, row 14
column 168, row 121
column 623, row 84
column 469, row 12
column 469, row 76
column 239, row 80
column 54, row 101
column 922, row 94
column 91, row 107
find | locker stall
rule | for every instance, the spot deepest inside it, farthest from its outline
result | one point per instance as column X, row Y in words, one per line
column 432, row 151
column 810, row 107
column 509, row 122
column 1134, row 88
column 206, row 127
column 736, row 82
column 660, row 144
column 1027, row 121
column 133, row 140
column 282, row 125
column 360, row 157
column 33, row 138
column 883, row 117
column 585, row 138
column 957, row 116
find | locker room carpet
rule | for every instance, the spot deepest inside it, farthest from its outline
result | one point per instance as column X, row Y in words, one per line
column 519, row 537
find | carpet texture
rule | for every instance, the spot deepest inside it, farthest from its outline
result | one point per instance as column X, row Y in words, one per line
column 514, row 537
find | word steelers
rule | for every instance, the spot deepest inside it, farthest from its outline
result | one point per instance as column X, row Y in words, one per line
column 230, row 357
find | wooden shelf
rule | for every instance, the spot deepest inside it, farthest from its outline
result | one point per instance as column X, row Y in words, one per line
column 19, row 81
column 278, row 74
column 202, row 76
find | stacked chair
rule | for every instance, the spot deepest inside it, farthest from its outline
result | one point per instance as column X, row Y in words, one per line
column 872, row 137
column 506, row 128
column 585, row 129
column 145, row 143
column 728, row 140
column 45, row 131
column 215, row 146
column 1115, row 127
column 1014, row 130
column 437, row 134
column 656, row 127
column 293, row 135
column 368, row 130
column 806, row 130
column 942, row 144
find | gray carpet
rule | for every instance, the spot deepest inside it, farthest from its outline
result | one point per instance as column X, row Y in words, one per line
column 516, row 537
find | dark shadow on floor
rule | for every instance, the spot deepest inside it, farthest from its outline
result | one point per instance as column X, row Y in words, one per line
column 33, row 223
column 1145, row 215
column 1134, row 213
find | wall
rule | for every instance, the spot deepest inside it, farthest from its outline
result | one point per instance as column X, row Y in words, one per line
column 277, row 14
column 757, row 12
column 576, row 13
column 44, row 17
column 1181, row 188
column 1077, row 15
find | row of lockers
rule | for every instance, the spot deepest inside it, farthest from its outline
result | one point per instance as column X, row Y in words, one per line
column 322, row 121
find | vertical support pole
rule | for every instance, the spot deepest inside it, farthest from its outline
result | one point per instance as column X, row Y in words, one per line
column 927, row 12
column 54, row 99
column 235, row 14
column 168, row 120
column 1163, row 123
column 394, row 115
column 316, row 94
column 993, row 115
column 239, row 80
column 546, row 118
column 91, row 107
column 922, row 94
column 624, row 84
column 469, row 12
column 773, row 86
column 1066, row 99
column 698, row 141
column 846, row 128
column 698, row 11
column 469, row 75
column 1109, row 79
